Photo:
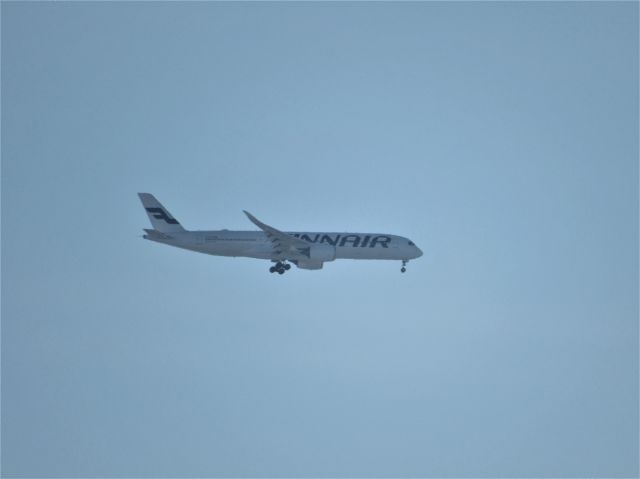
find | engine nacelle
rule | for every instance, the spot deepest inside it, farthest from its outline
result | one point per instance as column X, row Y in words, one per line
column 322, row 252
column 306, row 264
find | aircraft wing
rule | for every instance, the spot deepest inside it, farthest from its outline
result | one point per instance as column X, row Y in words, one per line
column 289, row 246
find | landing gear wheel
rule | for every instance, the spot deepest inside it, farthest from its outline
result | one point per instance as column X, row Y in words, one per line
column 280, row 267
column 403, row 269
column 404, row 264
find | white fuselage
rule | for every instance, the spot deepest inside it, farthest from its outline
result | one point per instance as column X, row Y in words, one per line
column 305, row 250
column 255, row 244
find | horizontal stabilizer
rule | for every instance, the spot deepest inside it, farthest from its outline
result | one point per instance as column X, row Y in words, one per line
column 156, row 235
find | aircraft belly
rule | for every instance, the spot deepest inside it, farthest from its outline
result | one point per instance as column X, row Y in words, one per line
column 225, row 249
column 355, row 253
column 367, row 253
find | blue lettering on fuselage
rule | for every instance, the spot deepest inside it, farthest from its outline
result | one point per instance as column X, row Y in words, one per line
column 352, row 240
column 307, row 238
column 381, row 240
column 327, row 239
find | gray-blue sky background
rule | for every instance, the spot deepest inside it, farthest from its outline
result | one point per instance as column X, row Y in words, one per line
column 502, row 138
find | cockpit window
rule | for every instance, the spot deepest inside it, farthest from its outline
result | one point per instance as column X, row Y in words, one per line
column 411, row 243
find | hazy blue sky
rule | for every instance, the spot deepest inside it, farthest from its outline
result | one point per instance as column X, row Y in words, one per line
column 501, row 137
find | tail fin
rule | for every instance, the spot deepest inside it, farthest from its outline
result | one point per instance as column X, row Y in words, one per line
column 161, row 219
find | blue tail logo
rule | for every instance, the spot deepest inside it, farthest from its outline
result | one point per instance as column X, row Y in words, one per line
column 160, row 214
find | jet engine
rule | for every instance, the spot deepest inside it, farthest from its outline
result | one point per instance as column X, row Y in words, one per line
column 306, row 264
column 322, row 252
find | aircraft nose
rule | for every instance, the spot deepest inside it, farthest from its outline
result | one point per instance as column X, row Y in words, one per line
column 418, row 252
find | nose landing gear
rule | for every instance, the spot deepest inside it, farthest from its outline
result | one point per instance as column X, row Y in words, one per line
column 280, row 267
column 404, row 264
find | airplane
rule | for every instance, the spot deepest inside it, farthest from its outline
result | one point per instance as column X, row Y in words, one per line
column 305, row 250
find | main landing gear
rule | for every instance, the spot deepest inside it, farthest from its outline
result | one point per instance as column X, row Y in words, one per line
column 404, row 264
column 280, row 267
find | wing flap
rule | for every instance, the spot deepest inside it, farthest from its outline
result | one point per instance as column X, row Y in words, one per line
column 283, row 244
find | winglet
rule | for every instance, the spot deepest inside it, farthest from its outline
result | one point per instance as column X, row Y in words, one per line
column 255, row 220
column 277, row 237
